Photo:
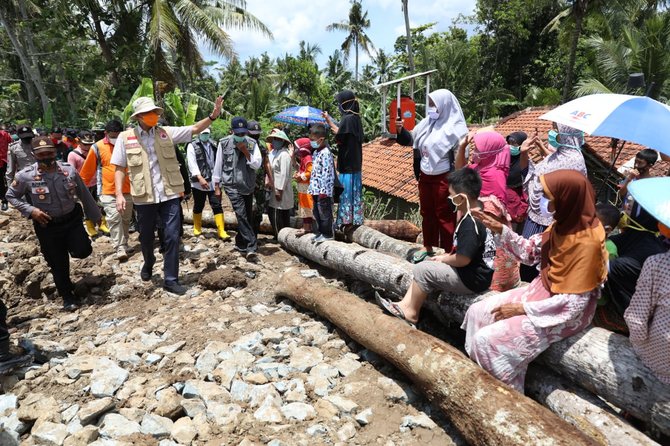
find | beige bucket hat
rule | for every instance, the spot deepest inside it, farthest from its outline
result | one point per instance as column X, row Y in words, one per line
column 143, row 105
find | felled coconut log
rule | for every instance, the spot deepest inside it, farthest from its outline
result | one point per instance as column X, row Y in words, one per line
column 485, row 411
column 230, row 220
column 397, row 229
column 370, row 237
column 596, row 359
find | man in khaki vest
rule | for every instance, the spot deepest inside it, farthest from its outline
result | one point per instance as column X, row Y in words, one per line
column 147, row 154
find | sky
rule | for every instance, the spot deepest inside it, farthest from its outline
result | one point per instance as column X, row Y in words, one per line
column 294, row 20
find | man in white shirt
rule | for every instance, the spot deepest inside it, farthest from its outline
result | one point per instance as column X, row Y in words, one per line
column 147, row 154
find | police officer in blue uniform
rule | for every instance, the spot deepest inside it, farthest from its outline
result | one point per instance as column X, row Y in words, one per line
column 54, row 187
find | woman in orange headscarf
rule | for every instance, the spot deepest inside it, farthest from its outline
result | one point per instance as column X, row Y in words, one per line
column 505, row 332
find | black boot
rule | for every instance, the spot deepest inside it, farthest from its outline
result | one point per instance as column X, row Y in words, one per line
column 10, row 361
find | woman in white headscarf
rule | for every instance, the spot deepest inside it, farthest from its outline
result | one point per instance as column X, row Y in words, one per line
column 435, row 139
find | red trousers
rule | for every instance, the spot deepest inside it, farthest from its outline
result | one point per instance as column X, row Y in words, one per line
column 437, row 212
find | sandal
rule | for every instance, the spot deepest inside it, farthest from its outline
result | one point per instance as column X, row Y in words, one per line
column 393, row 309
column 420, row 256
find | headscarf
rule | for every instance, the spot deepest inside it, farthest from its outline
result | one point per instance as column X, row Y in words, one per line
column 441, row 135
column 573, row 247
column 304, row 152
column 351, row 119
column 492, row 163
column 570, row 137
column 518, row 137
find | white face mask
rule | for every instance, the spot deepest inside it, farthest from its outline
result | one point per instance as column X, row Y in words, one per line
column 432, row 113
column 112, row 140
column 544, row 207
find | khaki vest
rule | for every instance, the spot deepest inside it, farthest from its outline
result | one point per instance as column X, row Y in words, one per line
column 141, row 183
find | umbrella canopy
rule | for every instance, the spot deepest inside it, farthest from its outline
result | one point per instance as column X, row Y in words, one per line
column 301, row 115
column 637, row 119
column 652, row 195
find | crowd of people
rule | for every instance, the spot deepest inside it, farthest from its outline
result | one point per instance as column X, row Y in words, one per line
column 503, row 219
column 530, row 230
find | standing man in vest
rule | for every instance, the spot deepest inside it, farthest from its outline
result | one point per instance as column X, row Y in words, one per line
column 20, row 153
column 155, row 182
column 98, row 164
column 200, row 156
column 237, row 159
column 53, row 188
column 264, row 179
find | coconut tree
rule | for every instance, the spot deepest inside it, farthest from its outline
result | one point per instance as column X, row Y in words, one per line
column 355, row 27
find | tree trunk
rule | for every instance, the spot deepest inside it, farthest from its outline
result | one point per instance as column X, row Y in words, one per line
column 356, row 49
column 485, row 411
column 579, row 16
column 104, row 48
column 372, row 238
column 596, row 359
column 230, row 221
column 34, row 61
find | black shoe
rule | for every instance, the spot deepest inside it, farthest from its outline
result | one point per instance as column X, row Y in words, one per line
column 145, row 272
column 175, row 288
column 70, row 306
column 10, row 362
column 4, row 206
column 252, row 257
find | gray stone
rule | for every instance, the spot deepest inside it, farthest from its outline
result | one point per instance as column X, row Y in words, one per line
column 193, row 407
column 206, row 363
column 169, row 403
column 83, row 436
column 9, row 438
column 239, row 391
column 156, row 426
column 304, row 358
column 392, row 390
column 317, row 429
column 269, row 411
column 12, row 424
column 309, row 273
column 106, row 378
column 133, row 414
column 298, row 411
column 347, row 432
column 152, row 358
column 271, row 335
column 320, row 385
column 183, row 430
column 8, row 401
column 39, row 406
column 51, row 434
column 42, row 349
column 224, row 415
column 343, row 405
column 115, row 426
column 260, row 309
column 421, row 420
column 363, row 418
column 276, row 442
column 68, row 414
column 259, row 394
column 252, row 343
column 206, row 391
column 91, row 411
column 295, row 391
column 170, row 349
column 324, row 370
column 274, row 370
column 346, row 366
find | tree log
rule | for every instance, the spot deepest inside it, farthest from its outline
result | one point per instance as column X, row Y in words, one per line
column 371, row 238
column 230, row 221
column 484, row 411
column 397, row 229
column 596, row 359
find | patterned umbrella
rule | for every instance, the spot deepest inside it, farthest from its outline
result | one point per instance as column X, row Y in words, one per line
column 652, row 195
column 300, row 115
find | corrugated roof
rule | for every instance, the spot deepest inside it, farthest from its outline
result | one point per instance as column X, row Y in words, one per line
column 387, row 166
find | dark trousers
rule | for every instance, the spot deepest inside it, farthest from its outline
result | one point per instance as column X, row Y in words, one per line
column 169, row 215
column 260, row 206
column 59, row 241
column 245, row 239
column 323, row 215
column 199, row 198
column 3, row 183
column 279, row 219
column 4, row 330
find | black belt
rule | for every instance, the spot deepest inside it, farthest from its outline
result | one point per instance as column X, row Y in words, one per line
column 76, row 213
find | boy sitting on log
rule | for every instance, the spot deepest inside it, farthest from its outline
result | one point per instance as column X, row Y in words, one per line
column 467, row 269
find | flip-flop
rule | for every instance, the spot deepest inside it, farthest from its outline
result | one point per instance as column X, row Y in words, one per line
column 420, row 256
column 393, row 309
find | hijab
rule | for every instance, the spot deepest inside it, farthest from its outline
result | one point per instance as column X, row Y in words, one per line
column 351, row 119
column 573, row 247
column 444, row 133
column 304, row 152
column 492, row 162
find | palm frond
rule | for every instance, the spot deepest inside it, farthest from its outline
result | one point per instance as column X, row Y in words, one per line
column 163, row 27
column 590, row 86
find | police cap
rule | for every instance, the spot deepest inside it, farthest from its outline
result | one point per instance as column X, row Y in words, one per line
column 42, row 143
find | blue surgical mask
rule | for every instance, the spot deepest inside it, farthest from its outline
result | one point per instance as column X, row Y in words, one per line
column 315, row 144
column 433, row 113
column 204, row 137
column 544, row 207
column 239, row 139
column 514, row 150
column 553, row 139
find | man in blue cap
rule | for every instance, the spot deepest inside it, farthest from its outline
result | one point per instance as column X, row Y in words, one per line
column 237, row 159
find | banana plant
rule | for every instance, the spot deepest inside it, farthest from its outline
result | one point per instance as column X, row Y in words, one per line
column 146, row 88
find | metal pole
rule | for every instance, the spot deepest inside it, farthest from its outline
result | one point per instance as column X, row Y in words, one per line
column 611, row 168
column 384, row 129
column 397, row 103
column 427, row 91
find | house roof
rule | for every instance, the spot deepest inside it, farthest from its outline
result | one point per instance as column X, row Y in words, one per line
column 387, row 166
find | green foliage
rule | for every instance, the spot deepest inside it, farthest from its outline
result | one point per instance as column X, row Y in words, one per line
column 414, row 216
column 146, row 88
column 374, row 207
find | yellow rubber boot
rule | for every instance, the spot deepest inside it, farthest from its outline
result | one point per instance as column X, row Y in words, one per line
column 223, row 235
column 90, row 228
column 103, row 226
column 197, row 224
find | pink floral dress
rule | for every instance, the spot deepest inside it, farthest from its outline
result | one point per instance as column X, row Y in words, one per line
column 505, row 348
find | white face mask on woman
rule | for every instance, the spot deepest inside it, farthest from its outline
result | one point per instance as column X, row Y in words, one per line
column 544, row 207
column 433, row 113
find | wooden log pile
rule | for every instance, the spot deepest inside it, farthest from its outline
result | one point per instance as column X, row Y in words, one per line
column 596, row 359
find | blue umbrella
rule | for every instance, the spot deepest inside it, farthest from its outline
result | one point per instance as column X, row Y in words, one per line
column 299, row 115
column 652, row 194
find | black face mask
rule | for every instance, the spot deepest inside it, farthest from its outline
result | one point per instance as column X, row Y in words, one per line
column 47, row 163
column 26, row 140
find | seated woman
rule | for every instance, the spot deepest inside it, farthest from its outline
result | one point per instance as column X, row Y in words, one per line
column 467, row 268
column 504, row 333
column 648, row 316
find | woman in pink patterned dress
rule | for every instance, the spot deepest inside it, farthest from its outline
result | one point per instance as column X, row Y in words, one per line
column 504, row 333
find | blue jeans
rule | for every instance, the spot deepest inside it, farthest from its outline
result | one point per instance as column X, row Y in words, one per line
column 323, row 215
column 170, row 219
